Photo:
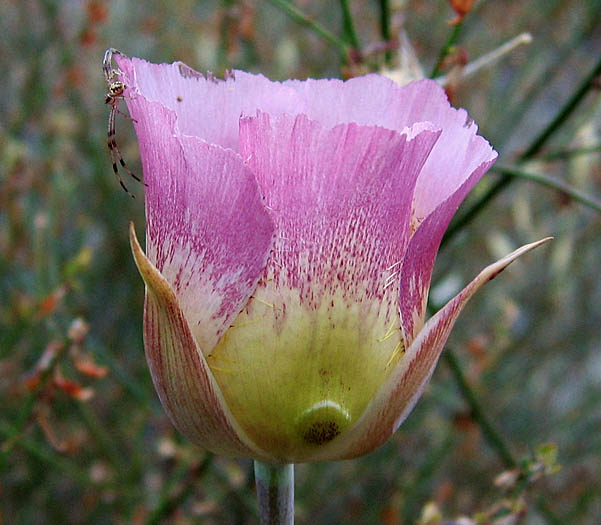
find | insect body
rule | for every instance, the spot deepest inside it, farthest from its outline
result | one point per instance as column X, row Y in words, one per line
column 113, row 96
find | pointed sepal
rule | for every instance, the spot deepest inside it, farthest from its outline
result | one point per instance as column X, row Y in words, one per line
column 180, row 373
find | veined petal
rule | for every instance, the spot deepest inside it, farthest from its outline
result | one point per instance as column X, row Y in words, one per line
column 406, row 383
column 321, row 331
column 340, row 199
column 206, row 107
column 460, row 160
column 180, row 373
column 208, row 232
column 376, row 100
column 418, row 263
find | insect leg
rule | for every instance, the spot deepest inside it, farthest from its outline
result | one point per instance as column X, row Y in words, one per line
column 112, row 145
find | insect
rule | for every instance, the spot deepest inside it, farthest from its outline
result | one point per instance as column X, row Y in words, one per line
column 114, row 95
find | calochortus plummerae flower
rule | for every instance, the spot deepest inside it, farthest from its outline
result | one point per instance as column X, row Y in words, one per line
column 290, row 239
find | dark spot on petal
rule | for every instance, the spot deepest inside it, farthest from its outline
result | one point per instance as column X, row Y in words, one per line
column 321, row 432
column 322, row 422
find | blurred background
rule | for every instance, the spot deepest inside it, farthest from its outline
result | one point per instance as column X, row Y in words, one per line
column 83, row 438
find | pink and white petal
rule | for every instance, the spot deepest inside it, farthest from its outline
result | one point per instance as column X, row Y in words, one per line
column 340, row 199
column 376, row 100
column 458, row 157
column 206, row 107
column 180, row 374
column 407, row 382
column 418, row 263
column 208, row 232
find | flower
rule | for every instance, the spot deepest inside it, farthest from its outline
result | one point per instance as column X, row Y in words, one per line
column 291, row 231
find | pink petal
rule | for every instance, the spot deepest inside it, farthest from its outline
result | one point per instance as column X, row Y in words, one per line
column 407, row 382
column 180, row 373
column 206, row 107
column 418, row 263
column 376, row 100
column 340, row 199
column 208, row 232
column 210, row 108
column 460, row 156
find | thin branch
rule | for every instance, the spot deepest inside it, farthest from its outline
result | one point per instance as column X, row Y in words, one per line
column 536, row 145
column 348, row 25
column 224, row 34
column 303, row 19
column 490, row 58
column 446, row 50
column 573, row 102
column 385, row 27
column 458, row 224
column 493, row 438
column 574, row 193
column 566, row 154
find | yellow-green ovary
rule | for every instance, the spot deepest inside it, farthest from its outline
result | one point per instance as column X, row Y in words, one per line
column 296, row 377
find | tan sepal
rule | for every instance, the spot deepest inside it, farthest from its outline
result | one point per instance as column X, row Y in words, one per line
column 407, row 382
column 181, row 375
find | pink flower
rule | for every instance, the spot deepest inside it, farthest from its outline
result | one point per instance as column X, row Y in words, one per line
column 291, row 233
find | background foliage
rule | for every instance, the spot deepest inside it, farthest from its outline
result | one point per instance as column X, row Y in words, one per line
column 82, row 436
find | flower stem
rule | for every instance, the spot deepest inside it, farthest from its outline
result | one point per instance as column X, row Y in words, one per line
column 275, row 492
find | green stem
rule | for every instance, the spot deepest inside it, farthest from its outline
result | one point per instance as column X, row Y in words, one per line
column 348, row 25
column 492, row 437
column 385, row 26
column 575, row 194
column 446, row 50
column 301, row 18
column 275, row 492
column 566, row 154
column 563, row 114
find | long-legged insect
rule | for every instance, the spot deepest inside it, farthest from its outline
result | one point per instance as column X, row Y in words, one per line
column 113, row 96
